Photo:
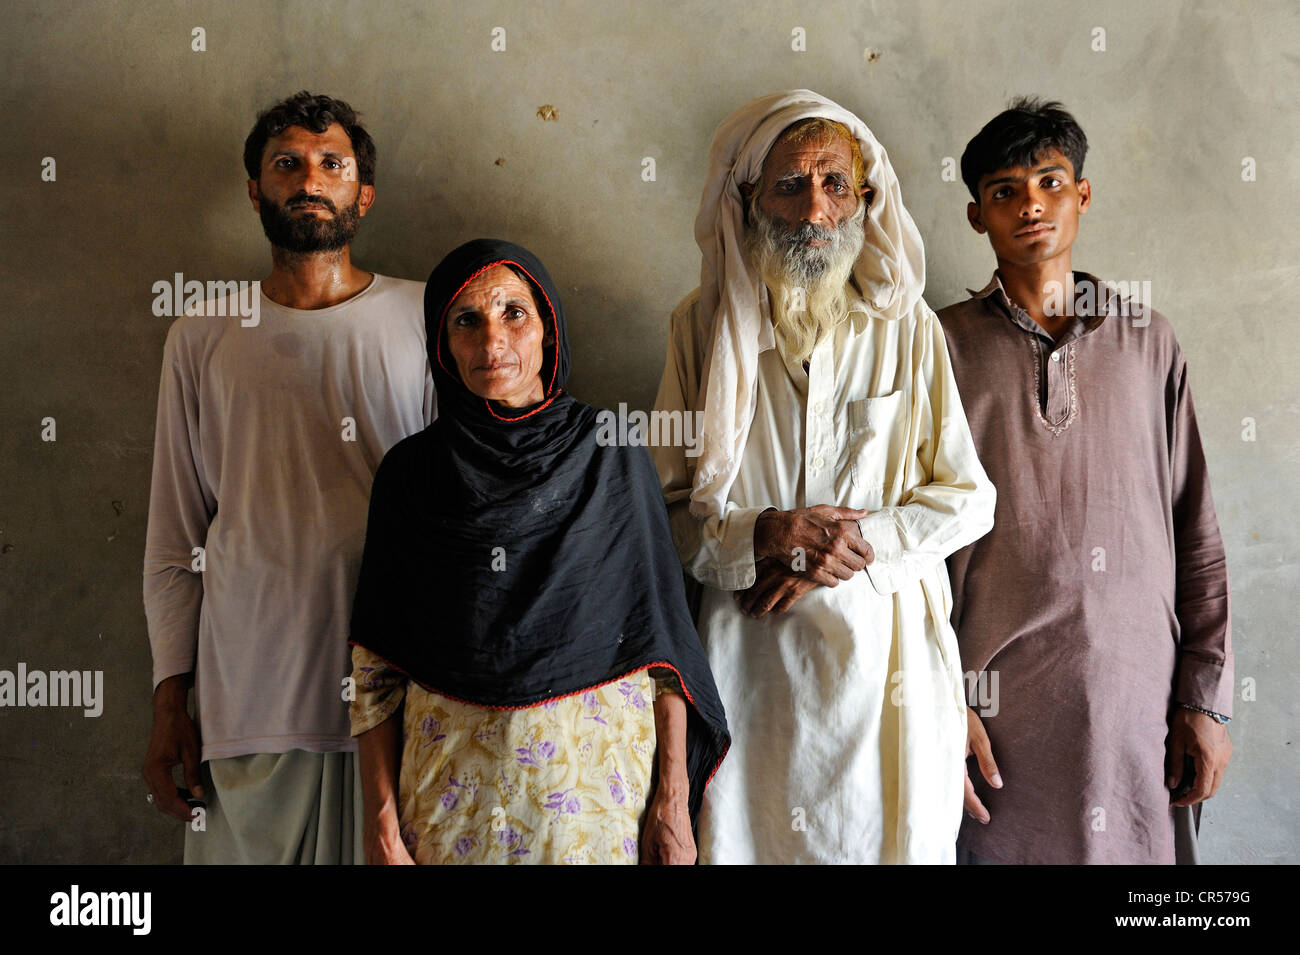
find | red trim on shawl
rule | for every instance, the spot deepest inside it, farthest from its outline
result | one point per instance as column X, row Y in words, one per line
column 555, row 330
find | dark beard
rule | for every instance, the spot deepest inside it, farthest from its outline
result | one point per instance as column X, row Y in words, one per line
column 307, row 234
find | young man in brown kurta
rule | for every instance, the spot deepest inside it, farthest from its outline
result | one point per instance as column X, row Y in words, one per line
column 1093, row 619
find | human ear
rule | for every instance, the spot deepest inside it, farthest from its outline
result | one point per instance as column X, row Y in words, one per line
column 974, row 218
column 1085, row 194
column 746, row 194
column 255, row 194
column 365, row 199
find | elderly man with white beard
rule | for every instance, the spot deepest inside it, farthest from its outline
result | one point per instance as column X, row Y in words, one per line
column 836, row 472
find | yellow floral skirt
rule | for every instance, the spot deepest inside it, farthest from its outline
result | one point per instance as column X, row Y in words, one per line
column 563, row 782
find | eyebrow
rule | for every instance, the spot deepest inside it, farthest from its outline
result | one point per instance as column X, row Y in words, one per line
column 516, row 301
column 1004, row 180
column 800, row 174
column 297, row 154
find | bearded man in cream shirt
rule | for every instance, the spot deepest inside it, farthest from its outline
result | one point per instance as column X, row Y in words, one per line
column 835, row 473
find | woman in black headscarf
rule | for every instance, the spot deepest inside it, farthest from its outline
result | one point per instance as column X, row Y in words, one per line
column 520, row 596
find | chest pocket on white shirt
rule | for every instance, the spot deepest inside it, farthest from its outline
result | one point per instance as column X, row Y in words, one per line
column 876, row 438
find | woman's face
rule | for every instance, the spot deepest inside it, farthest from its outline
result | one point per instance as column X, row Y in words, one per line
column 495, row 333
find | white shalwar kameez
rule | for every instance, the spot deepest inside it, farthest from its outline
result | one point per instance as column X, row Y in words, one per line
column 847, row 711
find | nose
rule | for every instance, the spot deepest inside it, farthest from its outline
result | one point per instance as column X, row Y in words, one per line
column 494, row 336
column 1032, row 206
column 313, row 179
column 818, row 208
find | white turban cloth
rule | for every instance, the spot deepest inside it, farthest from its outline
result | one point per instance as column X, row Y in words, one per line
column 889, row 273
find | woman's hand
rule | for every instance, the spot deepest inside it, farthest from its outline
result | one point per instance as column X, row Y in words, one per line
column 666, row 838
column 384, row 845
column 380, row 753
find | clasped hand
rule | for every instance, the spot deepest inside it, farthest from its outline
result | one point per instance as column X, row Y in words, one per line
column 799, row 550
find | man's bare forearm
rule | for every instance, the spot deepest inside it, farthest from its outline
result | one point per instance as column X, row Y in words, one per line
column 173, row 692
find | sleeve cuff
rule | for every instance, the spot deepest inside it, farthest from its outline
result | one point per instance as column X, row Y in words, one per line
column 729, row 565
column 880, row 530
column 1204, row 685
column 665, row 681
column 166, row 669
column 379, row 691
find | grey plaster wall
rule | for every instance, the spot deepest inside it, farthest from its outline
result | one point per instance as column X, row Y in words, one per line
column 147, row 133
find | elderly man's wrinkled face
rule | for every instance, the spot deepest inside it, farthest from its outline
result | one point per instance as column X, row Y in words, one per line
column 495, row 334
column 807, row 208
column 805, row 232
column 809, row 183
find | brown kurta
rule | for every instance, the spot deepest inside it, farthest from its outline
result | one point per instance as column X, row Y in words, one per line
column 1101, row 595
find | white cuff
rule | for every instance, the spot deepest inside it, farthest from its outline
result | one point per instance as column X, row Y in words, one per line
column 881, row 531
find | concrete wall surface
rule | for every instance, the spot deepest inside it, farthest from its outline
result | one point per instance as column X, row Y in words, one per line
column 1190, row 109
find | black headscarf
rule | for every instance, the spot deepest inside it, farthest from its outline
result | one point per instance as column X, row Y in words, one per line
column 510, row 559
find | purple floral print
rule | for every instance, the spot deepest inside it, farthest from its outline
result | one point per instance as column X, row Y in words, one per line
column 429, row 727
column 632, row 695
column 510, row 839
column 563, row 803
column 617, row 788
column 592, row 702
column 536, row 754
column 450, row 799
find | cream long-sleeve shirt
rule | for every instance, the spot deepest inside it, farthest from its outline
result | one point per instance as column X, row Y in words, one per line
column 847, row 711
column 267, row 440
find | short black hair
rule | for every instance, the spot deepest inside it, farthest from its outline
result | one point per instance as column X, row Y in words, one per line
column 315, row 113
column 1018, row 136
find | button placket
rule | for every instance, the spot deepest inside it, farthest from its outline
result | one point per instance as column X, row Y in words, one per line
column 816, row 481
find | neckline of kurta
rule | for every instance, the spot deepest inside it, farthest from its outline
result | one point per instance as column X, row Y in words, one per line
column 1081, row 326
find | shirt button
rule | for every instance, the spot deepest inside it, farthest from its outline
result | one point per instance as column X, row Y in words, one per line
column 818, row 407
column 818, row 462
column 1056, row 356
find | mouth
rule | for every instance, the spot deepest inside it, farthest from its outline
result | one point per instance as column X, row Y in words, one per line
column 1033, row 231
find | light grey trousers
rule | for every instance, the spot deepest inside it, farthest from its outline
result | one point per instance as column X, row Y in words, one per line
column 294, row 808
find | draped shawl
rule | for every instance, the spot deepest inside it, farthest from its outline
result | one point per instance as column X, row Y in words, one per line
column 889, row 272
column 510, row 558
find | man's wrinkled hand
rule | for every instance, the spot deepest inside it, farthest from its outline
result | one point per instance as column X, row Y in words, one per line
column 822, row 543
column 776, row 589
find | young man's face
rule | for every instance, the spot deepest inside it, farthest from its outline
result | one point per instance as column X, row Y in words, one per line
column 1031, row 213
column 307, row 191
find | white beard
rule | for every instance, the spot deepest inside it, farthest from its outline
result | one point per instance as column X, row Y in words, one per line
column 807, row 284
